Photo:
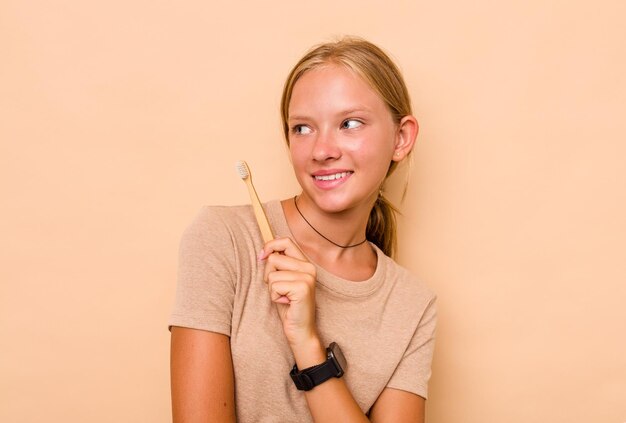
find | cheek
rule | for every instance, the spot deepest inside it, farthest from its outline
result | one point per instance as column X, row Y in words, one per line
column 298, row 157
column 381, row 157
column 377, row 147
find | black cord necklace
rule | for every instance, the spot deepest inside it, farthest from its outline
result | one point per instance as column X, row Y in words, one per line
column 320, row 234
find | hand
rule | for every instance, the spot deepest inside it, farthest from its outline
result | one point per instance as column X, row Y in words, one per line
column 291, row 282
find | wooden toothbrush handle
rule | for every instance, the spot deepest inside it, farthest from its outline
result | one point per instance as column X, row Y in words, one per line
column 259, row 213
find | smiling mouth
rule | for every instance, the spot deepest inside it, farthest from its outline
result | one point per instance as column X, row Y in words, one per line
column 332, row 177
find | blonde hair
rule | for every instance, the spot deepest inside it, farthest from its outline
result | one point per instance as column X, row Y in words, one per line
column 378, row 70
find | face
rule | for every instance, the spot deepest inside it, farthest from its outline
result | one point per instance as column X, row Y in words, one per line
column 342, row 139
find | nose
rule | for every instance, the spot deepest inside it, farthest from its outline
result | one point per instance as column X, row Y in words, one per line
column 326, row 147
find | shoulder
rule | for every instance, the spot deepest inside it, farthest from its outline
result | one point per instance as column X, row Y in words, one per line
column 215, row 228
column 409, row 288
column 219, row 221
column 228, row 226
column 408, row 280
column 222, row 216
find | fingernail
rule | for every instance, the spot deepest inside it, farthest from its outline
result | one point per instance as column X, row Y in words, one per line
column 261, row 255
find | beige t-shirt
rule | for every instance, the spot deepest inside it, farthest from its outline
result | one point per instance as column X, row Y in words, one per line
column 385, row 325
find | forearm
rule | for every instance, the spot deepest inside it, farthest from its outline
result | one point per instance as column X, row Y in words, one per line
column 330, row 401
column 291, row 280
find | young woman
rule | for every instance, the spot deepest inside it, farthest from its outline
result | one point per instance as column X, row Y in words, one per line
column 319, row 324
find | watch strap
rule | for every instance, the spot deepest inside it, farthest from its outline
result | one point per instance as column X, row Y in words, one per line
column 309, row 378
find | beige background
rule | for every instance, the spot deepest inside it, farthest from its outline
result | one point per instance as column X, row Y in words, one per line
column 119, row 119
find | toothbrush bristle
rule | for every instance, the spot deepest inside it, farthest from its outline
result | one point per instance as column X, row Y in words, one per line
column 242, row 169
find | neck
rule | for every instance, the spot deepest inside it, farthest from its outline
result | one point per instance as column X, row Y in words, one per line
column 350, row 245
column 354, row 264
column 333, row 235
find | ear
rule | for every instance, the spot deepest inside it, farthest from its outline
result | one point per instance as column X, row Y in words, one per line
column 405, row 137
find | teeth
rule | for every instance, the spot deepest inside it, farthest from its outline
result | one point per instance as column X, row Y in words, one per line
column 332, row 177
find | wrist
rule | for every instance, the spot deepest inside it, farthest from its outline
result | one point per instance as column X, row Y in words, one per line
column 309, row 353
column 333, row 367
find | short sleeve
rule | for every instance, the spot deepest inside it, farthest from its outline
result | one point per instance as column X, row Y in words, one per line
column 414, row 370
column 205, row 289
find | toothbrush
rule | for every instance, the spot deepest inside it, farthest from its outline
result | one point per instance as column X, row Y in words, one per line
column 244, row 173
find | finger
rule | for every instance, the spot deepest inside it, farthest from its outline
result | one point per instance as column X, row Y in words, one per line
column 283, row 300
column 296, row 291
column 279, row 262
column 283, row 279
column 290, row 276
column 285, row 246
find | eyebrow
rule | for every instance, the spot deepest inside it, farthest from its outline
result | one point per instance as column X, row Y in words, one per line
column 341, row 113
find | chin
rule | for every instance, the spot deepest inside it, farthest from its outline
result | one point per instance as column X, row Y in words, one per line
column 325, row 201
column 330, row 203
column 331, row 207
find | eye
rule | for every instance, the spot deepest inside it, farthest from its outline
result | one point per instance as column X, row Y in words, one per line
column 351, row 124
column 301, row 130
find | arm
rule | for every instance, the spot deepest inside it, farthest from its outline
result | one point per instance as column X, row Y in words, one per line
column 395, row 405
column 332, row 402
column 201, row 377
column 291, row 282
column 401, row 401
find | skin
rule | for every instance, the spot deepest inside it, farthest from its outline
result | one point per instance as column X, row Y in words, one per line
column 337, row 123
column 201, row 377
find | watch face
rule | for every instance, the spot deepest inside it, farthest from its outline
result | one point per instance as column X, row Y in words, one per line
column 336, row 352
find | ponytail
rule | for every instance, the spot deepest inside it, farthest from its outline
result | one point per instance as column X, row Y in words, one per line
column 381, row 225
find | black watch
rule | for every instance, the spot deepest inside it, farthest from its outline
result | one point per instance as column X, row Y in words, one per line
column 309, row 378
